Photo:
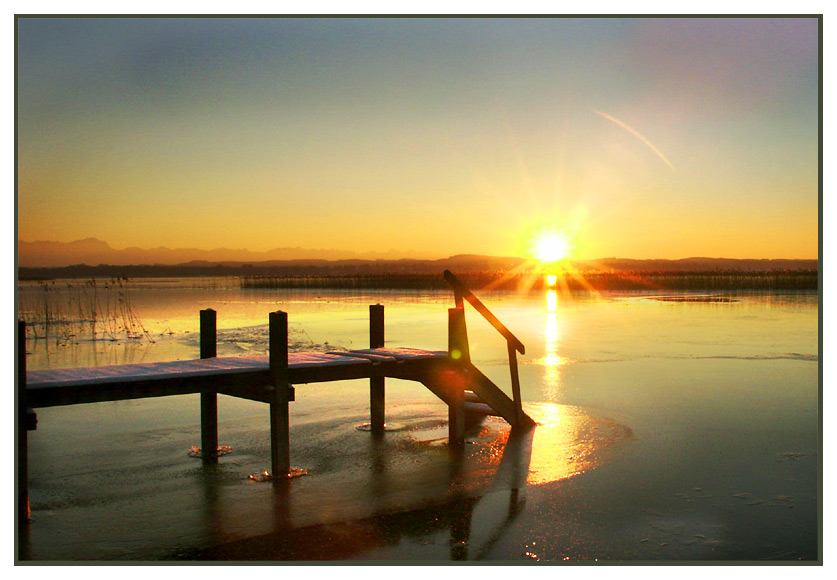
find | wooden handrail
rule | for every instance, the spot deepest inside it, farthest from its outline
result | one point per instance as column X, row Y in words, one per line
column 462, row 292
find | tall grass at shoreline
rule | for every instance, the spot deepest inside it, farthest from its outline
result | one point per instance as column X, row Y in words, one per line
column 92, row 310
column 601, row 281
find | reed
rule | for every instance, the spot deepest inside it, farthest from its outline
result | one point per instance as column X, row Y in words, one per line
column 66, row 312
column 601, row 281
column 370, row 281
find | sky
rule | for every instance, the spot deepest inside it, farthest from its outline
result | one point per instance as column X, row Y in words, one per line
column 633, row 138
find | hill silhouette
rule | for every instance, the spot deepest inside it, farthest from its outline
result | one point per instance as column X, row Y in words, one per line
column 94, row 252
column 92, row 258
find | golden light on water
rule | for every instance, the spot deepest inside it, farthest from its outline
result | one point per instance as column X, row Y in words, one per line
column 551, row 302
column 568, row 442
column 552, row 361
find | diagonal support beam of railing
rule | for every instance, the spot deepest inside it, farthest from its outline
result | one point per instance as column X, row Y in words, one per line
column 461, row 293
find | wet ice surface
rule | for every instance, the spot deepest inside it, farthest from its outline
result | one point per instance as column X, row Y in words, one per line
column 670, row 430
column 581, row 485
column 131, row 487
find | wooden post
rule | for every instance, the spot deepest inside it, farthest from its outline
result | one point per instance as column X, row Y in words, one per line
column 515, row 382
column 458, row 299
column 459, row 351
column 376, row 384
column 26, row 421
column 280, row 445
column 209, row 401
column 458, row 348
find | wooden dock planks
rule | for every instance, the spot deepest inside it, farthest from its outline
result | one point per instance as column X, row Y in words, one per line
column 47, row 388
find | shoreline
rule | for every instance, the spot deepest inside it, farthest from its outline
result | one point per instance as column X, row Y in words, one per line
column 253, row 279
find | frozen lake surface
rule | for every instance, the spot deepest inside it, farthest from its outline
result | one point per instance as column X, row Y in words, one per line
column 672, row 426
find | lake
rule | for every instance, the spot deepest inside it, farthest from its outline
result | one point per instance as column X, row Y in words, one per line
column 673, row 426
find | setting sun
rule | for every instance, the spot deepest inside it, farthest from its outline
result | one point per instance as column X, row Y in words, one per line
column 551, row 248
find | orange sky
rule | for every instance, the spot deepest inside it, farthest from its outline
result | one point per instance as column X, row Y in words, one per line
column 635, row 138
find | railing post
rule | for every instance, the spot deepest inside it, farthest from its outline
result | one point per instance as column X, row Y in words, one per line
column 280, row 445
column 376, row 384
column 458, row 347
column 515, row 382
column 459, row 351
column 209, row 401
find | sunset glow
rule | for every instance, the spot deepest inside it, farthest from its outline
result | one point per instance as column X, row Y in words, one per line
column 430, row 137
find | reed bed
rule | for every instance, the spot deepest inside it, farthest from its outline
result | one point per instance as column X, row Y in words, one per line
column 92, row 310
column 601, row 281
column 369, row 281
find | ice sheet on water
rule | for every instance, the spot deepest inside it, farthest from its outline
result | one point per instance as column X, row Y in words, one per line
column 253, row 340
column 198, row 452
column 266, row 476
column 695, row 298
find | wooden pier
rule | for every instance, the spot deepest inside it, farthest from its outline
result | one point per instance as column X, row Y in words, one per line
column 271, row 379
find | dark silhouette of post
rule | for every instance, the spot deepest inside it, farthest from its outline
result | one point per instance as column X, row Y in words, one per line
column 459, row 352
column 376, row 384
column 460, row 530
column 26, row 421
column 209, row 401
column 515, row 382
column 280, row 446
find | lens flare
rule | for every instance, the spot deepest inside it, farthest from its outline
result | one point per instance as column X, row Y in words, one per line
column 638, row 135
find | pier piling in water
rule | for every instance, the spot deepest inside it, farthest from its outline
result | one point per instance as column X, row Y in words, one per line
column 26, row 421
column 209, row 400
column 377, row 385
column 280, row 397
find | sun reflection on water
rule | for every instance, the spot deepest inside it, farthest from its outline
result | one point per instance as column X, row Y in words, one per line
column 568, row 442
column 551, row 360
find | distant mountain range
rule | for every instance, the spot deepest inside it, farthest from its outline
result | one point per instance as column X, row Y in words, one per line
column 94, row 252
